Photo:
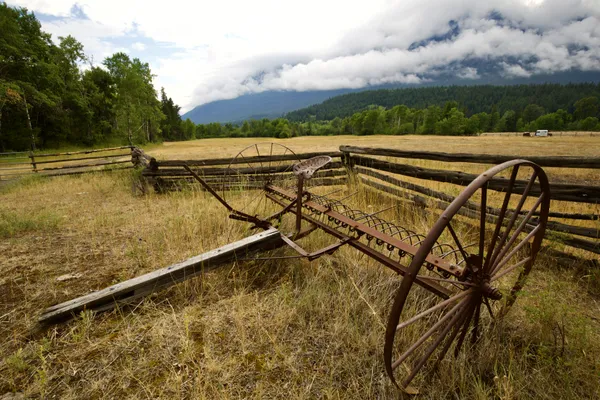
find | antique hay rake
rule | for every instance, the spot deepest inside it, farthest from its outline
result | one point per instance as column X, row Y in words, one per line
column 456, row 279
column 451, row 286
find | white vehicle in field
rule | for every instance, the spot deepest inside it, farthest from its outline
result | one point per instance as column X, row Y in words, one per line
column 541, row 132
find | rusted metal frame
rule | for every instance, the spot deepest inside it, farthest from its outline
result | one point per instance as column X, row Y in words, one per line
column 377, row 256
column 235, row 214
column 299, row 192
column 436, row 261
column 209, row 189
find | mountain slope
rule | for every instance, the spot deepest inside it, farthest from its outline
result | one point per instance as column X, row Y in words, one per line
column 273, row 104
column 473, row 99
column 270, row 104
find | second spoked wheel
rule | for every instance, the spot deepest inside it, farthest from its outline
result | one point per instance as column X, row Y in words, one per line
column 243, row 181
column 496, row 255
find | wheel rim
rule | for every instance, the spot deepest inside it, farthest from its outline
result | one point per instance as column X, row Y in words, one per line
column 421, row 332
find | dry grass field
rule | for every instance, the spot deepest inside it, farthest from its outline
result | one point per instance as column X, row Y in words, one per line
column 276, row 329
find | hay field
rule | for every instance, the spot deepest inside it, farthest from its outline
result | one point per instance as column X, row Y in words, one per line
column 279, row 329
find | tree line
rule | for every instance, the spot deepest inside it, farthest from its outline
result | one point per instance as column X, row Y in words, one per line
column 450, row 119
column 473, row 99
column 52, row 94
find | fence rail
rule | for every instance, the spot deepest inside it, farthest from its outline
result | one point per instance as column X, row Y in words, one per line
column 387, row 172
column 563, row 162
column 167, row 175
column 13, row 166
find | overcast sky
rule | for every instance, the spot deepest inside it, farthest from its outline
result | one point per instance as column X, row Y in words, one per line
column 203, row 51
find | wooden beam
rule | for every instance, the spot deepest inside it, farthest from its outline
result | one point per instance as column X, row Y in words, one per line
column 175, row 184
column 231, row 172
column 125, row 292
column 244, row 160
column 88, row 171
column 84, row 165
column 81, row 152
column 543, row 161
column 83, row 158
column 180, row 172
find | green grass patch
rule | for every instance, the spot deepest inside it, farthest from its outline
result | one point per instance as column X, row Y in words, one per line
column 12, row 223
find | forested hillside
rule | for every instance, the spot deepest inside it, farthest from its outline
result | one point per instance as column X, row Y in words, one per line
column 450, row 119
column 52, row 94
column 472, row 99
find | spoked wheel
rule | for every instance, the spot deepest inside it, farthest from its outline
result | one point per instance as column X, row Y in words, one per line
column 422, row 327
column 251, row 170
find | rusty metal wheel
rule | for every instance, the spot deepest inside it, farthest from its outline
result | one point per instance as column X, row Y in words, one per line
column 251, row 170
column 423, row 327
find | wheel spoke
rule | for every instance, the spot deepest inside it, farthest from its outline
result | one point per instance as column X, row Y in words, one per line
column 248, row 204
column 459, row 315
column 251, row 167
column 511, row 183
column 455, row 237
column 482, row 216
column 465, row 329
column 454, row 311
column 516, row 233
column 258, row 153
column 474, row 336
column 482, row 221
column 514, row 251
column 457, row 328
column 432, row 309
column 514, row 216
column 489, row 307
column 509, row 269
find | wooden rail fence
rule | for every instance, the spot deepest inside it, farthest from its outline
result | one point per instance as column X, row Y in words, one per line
column 365, row 168
column 15, row 165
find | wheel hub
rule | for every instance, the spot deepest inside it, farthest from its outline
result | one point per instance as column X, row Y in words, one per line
column 476, row 275
column 489, row 291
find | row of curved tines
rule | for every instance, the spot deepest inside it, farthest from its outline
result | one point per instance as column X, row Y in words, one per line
column 441, row 250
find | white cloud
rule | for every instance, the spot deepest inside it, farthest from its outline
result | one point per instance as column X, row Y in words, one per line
column 468, row 73
column 138, row 46
column 515, row 70
column 205, row 50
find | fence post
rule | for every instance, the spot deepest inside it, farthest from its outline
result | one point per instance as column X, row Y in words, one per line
column 348, row 164
column 33, row 161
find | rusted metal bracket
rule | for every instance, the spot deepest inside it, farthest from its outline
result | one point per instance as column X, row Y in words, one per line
column 316, row 254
